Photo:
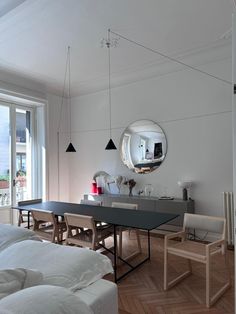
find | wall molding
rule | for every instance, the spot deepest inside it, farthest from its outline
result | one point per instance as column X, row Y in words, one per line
column 159, row 122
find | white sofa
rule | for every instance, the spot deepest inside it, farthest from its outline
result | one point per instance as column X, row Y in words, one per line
column 79, row 271
column 11, row 234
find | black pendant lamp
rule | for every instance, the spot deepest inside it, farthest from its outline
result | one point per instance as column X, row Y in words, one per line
column 110, row 144
column 70, row 148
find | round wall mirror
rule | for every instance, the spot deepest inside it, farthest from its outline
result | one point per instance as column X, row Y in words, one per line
column 143, row 146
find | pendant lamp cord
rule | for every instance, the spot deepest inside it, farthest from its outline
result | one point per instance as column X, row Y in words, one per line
column 64, row 87
column 59, row 124
column 170, row 58
column 69, row 90
column 108, row 43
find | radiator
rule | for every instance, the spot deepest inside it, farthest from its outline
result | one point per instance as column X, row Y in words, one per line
column 228, row 203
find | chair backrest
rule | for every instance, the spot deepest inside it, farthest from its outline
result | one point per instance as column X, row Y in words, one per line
column 124, row 205
column 43, row 216
column 206, row 223
column 28, row 202
column 90, row 202
column 80, row 221
column 86, row 225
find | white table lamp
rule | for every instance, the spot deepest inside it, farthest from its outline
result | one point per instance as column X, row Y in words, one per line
column 185, row 185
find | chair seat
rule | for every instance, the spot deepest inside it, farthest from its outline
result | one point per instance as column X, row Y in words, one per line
column 48, row 228
column 103, row 232
column 45, row 232
column 188, row 249
column 47, row 225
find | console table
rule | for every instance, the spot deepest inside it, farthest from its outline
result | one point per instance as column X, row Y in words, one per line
column 175, row 206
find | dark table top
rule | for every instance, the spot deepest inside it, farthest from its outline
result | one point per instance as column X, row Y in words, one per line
column 140, row 219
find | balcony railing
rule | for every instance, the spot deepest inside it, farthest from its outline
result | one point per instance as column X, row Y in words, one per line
column 21, row 191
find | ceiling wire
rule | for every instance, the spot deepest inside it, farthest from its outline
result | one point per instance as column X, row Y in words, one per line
column 69, row 89
column 64, row 89
column 108, row 43
column 171, row 58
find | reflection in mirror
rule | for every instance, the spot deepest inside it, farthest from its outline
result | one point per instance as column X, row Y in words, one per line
column 143, row 146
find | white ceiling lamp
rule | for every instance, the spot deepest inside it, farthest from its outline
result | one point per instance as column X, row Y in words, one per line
column 70, row 148
column 110, row 144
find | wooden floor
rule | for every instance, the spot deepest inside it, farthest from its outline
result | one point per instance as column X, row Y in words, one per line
column 142, row 290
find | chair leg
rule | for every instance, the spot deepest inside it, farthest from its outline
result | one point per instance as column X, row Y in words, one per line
column 119, row 246
column 138, row 241
column 165, row 266
column 59, row 236
column 20, row 219
column 173, row 282
column 120, row 249
column 54, row 236
column 211, row 300
column 208, row 287
column 69, row 233
column 66, row 240
column 227, row 267
column 129, row 233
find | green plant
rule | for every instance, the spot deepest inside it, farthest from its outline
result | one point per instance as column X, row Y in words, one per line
column 4, row 177
column 20, row 173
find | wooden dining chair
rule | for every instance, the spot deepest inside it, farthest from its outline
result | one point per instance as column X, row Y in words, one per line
column 23, row 214
column 94, row 203
column 47, row 226
column 198, row 251
column 88, row 234
column 122, row 229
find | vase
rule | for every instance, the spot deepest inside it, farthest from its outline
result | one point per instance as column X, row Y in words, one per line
column 130, row 191
column 148, row 189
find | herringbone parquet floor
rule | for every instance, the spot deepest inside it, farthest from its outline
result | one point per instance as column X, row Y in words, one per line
column 141, row 292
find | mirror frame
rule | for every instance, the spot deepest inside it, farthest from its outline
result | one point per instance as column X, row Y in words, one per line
column 121, row 144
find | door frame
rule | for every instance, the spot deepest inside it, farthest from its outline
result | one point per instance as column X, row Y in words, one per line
column 13, row 106
column 33, row 160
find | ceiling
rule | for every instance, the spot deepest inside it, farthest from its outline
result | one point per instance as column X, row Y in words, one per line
column 34, row 35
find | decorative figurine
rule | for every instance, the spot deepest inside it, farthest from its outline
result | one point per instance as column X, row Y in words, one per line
column 131, row 184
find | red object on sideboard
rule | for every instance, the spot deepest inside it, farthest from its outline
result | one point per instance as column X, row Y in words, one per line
column 94, row 188
column 99, row 190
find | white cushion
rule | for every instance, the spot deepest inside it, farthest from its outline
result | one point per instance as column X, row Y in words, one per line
column 11, row 234
column 65, row 266
column 12, row 280
column 101, row 296
column 43, row 299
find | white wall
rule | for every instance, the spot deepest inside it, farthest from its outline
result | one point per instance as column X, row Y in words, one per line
column 58, row 171
column 196, row 115
column 194, row 111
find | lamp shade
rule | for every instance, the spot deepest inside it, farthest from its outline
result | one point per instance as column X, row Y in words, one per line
column 185, row 184
column 110, row 145
column 70, row 148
